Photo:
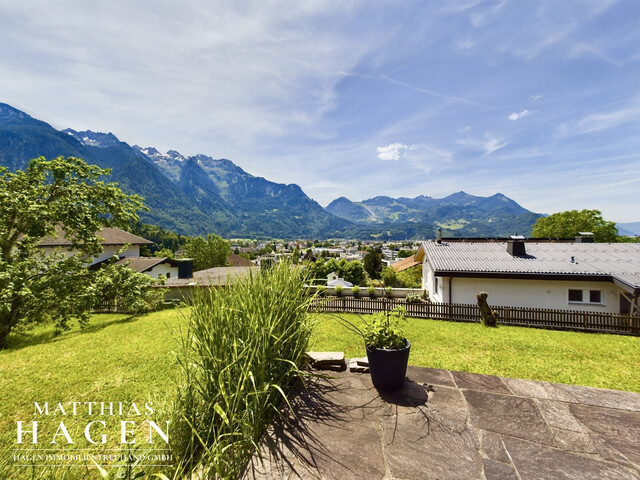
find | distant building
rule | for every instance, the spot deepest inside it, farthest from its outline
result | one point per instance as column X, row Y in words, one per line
column 333, row 281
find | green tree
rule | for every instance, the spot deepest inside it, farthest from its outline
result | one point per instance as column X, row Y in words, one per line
column 373, row 264
column 352, row 272
column 568, row 224
column 389, row 277
column 60, row 196
column 207, row 253
column 411, row 277
column 164, row 252
column 406, row 253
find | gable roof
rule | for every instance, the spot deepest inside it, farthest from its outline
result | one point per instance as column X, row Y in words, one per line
column 238, row 261
column 111, row 236
column 615, row 262
column 142, row 264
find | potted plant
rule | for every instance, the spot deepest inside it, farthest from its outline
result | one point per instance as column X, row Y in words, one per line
column 338, row 289
column 387, row 347
column 371, row 291
column 320, row 290
column 355, row 291
column 388, row 291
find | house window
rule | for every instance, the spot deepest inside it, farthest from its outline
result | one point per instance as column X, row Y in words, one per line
column 168, row 274
column 435, row 285
column 575, row 295
column 585, row 296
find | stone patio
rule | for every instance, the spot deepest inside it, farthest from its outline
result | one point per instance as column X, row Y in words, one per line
column 452, row 425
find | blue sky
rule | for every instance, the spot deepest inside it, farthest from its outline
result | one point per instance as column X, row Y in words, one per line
column 539, row 100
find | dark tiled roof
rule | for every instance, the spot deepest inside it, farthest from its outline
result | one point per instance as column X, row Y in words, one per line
column 141, row 264
column 111, row 236
column 621, row 261
column 214, row 277
column 237, row 261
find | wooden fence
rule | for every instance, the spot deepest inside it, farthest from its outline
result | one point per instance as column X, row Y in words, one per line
column 525, row 317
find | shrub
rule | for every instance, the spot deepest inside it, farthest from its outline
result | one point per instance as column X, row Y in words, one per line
column 244, row 347
column 355, row 291
column 321, row 290
column 371, row 290
column 338, row 289
column 388, row 291
column 413, row 298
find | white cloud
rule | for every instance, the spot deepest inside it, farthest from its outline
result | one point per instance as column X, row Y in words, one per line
column 491, row 144
column 599, row 121
column 536, row 97
column 517, row 116
column 392, row 151
column 488, row 144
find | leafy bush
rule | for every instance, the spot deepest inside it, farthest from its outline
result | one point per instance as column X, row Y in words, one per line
column 388, row 291
column 371, row 290
column 355, row 291
column 122, row 287
column 338, row 289
column 244, row 347
column 321, row 290
column 413, row 298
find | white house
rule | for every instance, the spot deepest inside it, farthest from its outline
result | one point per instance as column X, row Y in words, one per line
column 599, row 277
column 333, row 280
column 113, row 241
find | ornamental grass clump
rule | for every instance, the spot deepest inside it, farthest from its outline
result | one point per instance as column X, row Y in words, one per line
column 245, row 347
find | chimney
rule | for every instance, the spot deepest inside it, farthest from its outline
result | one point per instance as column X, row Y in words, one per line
column 185, row 268
column 439, row 236
column 515, row 246
column 584, row 237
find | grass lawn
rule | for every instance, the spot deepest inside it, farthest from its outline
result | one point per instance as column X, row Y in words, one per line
column 119, row 359
column 596, row 360
column 115, row 359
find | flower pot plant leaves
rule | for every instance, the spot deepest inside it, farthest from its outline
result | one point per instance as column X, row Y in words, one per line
column 382, row 330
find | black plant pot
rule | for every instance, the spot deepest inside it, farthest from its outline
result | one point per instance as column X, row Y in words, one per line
column 388, row 367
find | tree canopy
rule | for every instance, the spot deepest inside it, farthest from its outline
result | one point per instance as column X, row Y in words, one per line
column 373, row 264
column 568, row 224
column 64, row 197
column 209, row 252
column 351, row 271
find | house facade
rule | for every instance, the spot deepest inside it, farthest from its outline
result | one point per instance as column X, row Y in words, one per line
column 594, row 277
column 113, row 242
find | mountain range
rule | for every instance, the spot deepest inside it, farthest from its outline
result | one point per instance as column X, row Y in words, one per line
column 199, row 194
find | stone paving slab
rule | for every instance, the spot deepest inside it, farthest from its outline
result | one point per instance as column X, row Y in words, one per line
column 452, row 425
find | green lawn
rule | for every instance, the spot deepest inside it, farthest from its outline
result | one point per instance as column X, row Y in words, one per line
column 597, row 360
column 115, row 359
column 120, row 359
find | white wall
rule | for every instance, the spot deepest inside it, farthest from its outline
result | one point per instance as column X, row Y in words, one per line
column 162, row 269
column 110, row 250
column 531, row 293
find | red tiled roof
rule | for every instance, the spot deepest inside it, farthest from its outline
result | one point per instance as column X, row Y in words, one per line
column 404, row 264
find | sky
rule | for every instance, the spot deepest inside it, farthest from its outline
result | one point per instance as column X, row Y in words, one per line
column 535, row 99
